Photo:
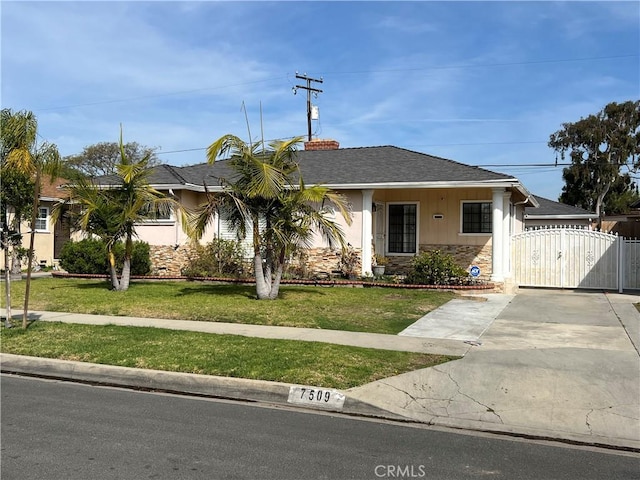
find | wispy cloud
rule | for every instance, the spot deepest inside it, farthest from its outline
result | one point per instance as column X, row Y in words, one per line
column 476, row 82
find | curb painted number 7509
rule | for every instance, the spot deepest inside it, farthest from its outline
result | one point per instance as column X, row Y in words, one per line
column 316, row 397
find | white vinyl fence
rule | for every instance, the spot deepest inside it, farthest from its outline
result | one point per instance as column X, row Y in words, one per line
column 573, row 257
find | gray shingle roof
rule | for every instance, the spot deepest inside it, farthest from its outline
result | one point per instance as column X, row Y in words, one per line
column 345, row 166
column 386, row 164
column 551, row 208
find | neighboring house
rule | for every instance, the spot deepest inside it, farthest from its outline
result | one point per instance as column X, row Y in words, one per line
column 553, row 214
column 49, row 237
column 403, row 202
column 625, row 225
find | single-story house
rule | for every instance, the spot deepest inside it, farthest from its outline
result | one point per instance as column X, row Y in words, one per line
column 403, row 202
column 549, row 213
column 49, row 237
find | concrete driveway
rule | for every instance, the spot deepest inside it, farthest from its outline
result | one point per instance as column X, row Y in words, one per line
column 555, row 364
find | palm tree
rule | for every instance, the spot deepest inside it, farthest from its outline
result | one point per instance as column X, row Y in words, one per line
column 263, row 197
column 112, row 213
column 21, row 152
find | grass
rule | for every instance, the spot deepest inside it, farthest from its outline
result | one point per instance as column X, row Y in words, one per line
column 307, row 363
column 379, row 310
column 376, row 310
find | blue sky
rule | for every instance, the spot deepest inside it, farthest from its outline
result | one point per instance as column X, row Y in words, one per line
column 483, row 83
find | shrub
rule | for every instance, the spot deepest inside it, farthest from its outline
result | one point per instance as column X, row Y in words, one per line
column 220, row 258
column 85, row 256
column 435, row 268
column 140, row 258
column 90, row 256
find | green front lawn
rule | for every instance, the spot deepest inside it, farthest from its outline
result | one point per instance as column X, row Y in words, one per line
column 378, row 310
column 306, row 363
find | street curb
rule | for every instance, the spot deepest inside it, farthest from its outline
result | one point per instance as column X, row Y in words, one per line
column 242, row 389
column 266, row 392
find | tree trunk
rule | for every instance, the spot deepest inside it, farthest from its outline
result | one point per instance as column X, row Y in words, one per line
column 126, row 274
column 16, row 264
column 32, row 238
column 275, row 286
column 7, row 280
column 115, row 284
column 126, row 267
column 263, row 288
column 599, row 202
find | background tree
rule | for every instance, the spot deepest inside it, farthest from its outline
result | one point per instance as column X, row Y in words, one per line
column 112, row 213
column 16, row 194
column 26, row 155
column 621, row 194
column 264, row 197
column 102, row 158
column 16, row 202
column 601, row 146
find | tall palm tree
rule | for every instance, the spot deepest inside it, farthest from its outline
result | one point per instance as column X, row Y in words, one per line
column 112, row 213
column 263, row 196
column 23, row 154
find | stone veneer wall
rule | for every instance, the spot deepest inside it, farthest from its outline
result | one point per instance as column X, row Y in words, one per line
column 167, row 261
column 320, row 261
column 465, row 255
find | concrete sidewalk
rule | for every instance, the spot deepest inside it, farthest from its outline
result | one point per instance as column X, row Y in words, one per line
column 424, row 344
column 550, row 364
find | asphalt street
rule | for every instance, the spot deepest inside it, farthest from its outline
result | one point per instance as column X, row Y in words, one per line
column 59, row 430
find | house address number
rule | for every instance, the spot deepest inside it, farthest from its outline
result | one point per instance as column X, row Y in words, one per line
column 316, row 397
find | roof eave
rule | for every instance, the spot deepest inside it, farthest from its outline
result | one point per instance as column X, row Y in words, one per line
column 512, row 183
column 579, row 216
column 180, row 186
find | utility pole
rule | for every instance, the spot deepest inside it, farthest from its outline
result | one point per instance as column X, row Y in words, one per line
column 309, row 89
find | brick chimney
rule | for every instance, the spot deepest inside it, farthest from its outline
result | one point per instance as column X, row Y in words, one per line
column 318, row 144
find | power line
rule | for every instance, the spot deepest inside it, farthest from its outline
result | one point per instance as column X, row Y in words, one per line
column 159, row 95
column 521, row 164
column 482, row 65
column 473, row 144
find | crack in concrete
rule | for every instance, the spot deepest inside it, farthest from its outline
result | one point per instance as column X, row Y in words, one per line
column 586, row 421
column 412, row 398
column 460, row 392
column 608, row 411
column 417, row 401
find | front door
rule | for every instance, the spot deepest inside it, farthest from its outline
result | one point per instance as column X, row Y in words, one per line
column 61, row 234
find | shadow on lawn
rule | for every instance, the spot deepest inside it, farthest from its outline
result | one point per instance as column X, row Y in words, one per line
column 248, row 291
column 16, row 320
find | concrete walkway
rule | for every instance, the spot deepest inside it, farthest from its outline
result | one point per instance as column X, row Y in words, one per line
column 464, row 318
column 551, row 364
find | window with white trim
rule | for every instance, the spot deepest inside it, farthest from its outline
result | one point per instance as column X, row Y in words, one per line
column 477, row 217
column 402, row 228
column 42, row 220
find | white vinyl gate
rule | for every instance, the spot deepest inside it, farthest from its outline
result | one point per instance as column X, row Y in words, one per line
column 575, row 258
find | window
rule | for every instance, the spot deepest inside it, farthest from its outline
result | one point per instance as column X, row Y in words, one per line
column 477, row 217
column 158, row 215
column 42, row 220
column 403, row 223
